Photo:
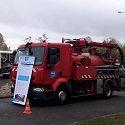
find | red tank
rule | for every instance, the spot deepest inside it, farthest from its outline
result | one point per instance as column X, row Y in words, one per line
column 91, row 60
column 96, row 60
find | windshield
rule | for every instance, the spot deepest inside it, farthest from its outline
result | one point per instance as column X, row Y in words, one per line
column 37, row 52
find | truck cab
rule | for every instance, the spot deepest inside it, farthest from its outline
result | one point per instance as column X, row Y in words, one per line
column 51, row 69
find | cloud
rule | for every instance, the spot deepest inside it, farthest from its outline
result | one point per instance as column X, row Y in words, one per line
column 56, row 18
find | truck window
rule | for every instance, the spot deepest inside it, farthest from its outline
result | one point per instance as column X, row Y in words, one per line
column 56, row 54
column 37, row 52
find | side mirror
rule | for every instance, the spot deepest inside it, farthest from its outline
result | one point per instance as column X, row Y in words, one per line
column 14, row 52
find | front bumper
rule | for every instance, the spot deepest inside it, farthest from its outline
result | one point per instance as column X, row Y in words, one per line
column 40, row 94
column 37, row 92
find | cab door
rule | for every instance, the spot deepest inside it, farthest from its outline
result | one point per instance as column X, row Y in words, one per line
column 53, row 68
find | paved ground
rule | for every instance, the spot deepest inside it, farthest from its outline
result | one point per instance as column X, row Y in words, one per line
column 5, row 91
column 79, row 109
column 5, row 86
column 74, row 111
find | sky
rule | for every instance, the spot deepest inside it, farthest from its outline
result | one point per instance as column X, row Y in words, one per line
column 98, row 19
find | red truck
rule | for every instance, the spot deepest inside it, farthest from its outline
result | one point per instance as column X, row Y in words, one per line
column 72, row 68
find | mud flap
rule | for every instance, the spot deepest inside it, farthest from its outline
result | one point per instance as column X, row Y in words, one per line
column 121, row 82
column 99, row 86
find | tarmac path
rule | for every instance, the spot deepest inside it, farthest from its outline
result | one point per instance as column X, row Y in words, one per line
column 5, row 86
column 48, row 114
column 45, row 113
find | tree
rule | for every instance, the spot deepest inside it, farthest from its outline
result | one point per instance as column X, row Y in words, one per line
column 43, row 38
column 3, row 45
column 114, row 52
column 123, row 49
column 112, row 40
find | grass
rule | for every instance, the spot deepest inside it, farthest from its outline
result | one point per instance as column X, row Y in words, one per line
column 10, row 83
column 106, row 120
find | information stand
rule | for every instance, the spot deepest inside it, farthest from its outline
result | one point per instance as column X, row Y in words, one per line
column 23, row 77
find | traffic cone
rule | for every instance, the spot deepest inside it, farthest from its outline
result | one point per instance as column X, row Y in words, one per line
column 27, row 108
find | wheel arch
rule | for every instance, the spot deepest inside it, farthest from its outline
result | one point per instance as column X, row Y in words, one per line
column 60, row 82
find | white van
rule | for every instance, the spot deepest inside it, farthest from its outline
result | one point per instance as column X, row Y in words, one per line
column 6, row 60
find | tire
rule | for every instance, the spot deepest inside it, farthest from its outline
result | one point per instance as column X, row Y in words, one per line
column 107, row 90
column 62, row 95
column 6, row 76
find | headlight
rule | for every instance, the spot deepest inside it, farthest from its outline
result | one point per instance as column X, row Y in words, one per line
column 38, row 89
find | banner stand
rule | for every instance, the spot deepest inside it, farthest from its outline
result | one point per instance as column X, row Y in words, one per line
column 23, row 77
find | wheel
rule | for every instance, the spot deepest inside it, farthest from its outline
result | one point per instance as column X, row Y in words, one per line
column 62, row 95
column 107, row 90
column 6, row 76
